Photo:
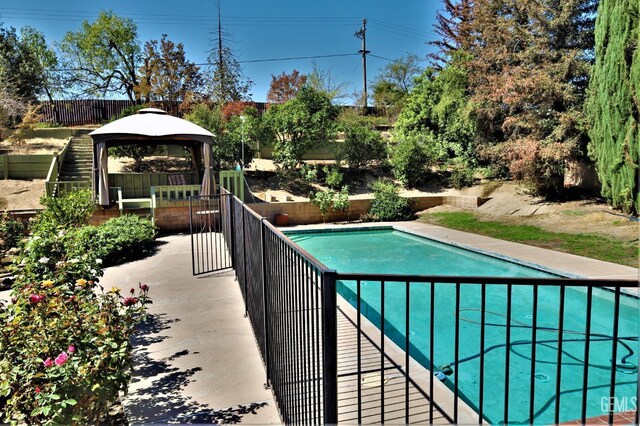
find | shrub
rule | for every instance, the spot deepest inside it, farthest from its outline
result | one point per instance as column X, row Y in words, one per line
column 309, row 174
column 341, row 201
column 461, row 174
column 328, row 198
column 323, row 200
column 333, row 177
column 362, row 146
column 388, row 205
column 410, row 160
column 11, row 231
column 72, row 210
column 119, row 239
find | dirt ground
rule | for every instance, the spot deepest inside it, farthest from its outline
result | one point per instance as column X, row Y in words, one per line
column 25, row 194
column 32, row 146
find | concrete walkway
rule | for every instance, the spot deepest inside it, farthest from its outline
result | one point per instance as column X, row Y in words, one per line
column 196, row 360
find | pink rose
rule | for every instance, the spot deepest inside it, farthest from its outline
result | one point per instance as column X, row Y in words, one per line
column 38, row 390
column 71, row 349
column 144, row 287
column 48, row 362
column 35, row 298
column 130, row 301
column 132, row 291
column 61, row 359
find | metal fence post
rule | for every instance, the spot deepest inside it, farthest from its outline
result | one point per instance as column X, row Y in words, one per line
column 232, row 235
column 329, row 348
column 193, row 260
column 265, row 305
column 244, row 263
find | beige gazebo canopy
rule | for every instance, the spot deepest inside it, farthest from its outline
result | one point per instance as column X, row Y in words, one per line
column 149, row 126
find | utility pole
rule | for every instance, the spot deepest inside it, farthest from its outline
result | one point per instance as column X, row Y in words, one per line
column 362, row 35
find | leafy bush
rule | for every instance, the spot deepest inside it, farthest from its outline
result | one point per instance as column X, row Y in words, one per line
column 461, row 174
column 309, row 173
column 329, row 198
column 333, row 177
column 72, row 210
column 299, row 124
column 11, row 231
column 341, row 201
column 362, row 146
column 119, row 239
column 323, row 200
column 388, row 205
column 227, row 151
column 410, row 160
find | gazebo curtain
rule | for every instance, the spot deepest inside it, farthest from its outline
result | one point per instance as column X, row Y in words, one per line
column 206, row 176
column 103, row 173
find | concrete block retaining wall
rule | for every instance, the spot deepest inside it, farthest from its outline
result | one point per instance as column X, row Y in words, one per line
column 303, row 212
column 173, row 219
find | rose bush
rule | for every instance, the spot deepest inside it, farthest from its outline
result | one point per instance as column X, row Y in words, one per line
column 65, row 351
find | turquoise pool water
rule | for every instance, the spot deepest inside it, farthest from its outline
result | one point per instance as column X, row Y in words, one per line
column 394, row 252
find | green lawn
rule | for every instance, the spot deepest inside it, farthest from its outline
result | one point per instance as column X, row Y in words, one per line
column 588, row 245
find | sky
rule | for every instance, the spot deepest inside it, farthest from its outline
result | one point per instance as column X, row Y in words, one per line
column 261, row 33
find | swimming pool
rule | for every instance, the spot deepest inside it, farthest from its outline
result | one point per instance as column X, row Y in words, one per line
column 387, row 251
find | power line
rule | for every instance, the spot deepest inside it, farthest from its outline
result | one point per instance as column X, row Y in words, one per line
column 403, row 28
column 381, row 57
column 292, row 58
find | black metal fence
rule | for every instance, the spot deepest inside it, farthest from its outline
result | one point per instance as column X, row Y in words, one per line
column 211, row 225
column 291, row 301
column 431, row 348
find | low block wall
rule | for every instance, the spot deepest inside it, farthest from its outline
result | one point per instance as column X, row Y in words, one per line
column 304, row 213
column 174, row 219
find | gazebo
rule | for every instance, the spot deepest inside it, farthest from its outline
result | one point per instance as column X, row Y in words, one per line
column 151, row 126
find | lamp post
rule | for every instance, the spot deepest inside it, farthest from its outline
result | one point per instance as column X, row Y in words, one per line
column 243, row 118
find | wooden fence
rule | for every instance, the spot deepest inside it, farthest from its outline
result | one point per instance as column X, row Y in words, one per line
column 25, row 166
column 79, row 112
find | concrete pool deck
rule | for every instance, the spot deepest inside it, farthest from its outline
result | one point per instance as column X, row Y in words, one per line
column 569, row 264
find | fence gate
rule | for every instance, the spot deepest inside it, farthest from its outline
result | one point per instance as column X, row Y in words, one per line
column 211, row 225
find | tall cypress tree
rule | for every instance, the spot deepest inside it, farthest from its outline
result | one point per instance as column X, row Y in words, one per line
column 614, row 101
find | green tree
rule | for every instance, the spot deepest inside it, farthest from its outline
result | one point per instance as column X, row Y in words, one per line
column 438, row 109
column 47, row 60
column 412, row 158
column 394, row 82
column 229, row 134
column 299, row 124
column 614, row 102
column 26, row 63
column 166, row 76
column 103, row 57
